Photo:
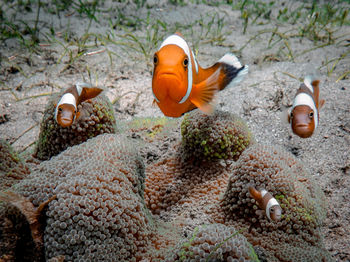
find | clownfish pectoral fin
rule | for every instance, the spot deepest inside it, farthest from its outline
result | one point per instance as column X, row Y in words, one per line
column 77, row 115
column 285, row 115
column 203, row 93
column 288, row 116
column 322, row 101
column 89, row 93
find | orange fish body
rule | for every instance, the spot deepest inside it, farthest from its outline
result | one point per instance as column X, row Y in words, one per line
column 304, row 116
column 266, row 202
column 66, row 109
column 180, row 85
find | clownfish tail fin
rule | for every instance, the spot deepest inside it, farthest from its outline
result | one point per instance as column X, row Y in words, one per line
column 254, row 193
column 232, row 70
column 89, row 93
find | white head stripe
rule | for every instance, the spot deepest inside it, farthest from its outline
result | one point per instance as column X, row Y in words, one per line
column 153, row 92
column 308, row 83
column 195, row 62
column 272, row 202
column 263, row 192
column 67, row 98
column 155, row 97
column 307, row 100
column 180, row 42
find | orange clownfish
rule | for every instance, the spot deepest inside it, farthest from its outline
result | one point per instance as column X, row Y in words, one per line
column 266, row 202
column 305, row 110
column 66, row 109
column 180, row 85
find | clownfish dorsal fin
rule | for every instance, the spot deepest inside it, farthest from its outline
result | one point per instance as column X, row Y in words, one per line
column 203, row 93
column 89, row 93
column 179, row 34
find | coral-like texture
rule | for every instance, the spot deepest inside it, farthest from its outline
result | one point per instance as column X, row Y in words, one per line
column 215, row 242
column 155, row 134
column 222, row 135
column 12, row 167
column 296, row 237
column 98, row 213
column 177, row 181
column 96, row 117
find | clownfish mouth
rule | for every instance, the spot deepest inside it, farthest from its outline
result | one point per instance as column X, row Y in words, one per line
column 64, row 122
column 303, row 130
column 168, row 84
column 301, row 126
column 168, row 75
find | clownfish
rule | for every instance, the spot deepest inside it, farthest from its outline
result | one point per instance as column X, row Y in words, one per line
column 266, row 202
column 180, row 85
column 66, row 108
column 304, row 114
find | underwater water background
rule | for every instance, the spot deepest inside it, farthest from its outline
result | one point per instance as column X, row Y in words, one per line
column 46, row 46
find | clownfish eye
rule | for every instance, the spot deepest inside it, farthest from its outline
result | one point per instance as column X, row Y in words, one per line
column 311, row 114
column 60, row 109
column 155, row 60
column 185, row 62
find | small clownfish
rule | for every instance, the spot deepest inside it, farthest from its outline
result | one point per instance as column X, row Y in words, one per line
column 180, row 85
column 66, row 109
column 266, row 202
column 305, row 110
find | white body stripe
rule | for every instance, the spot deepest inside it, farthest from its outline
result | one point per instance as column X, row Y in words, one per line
column 180, row 42
column 80, row 85
column 308, row 83
column 305, row 99
column 263, row 192
column 79, row 89
column 272, row 202
column 67, row 98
